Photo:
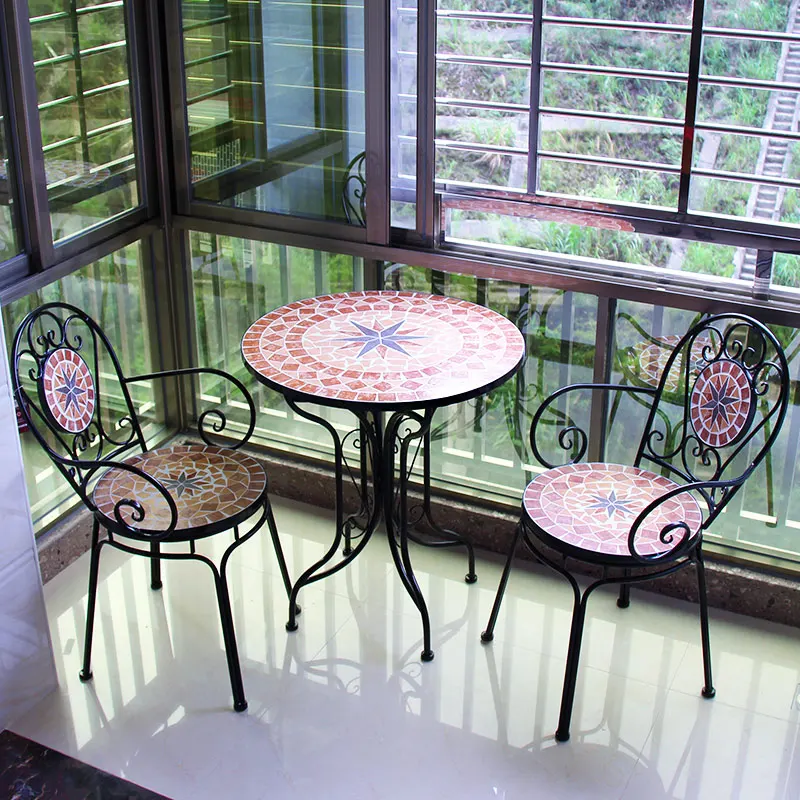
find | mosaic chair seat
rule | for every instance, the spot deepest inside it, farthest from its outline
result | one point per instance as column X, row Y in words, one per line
column 140, row 499
column 730, row 380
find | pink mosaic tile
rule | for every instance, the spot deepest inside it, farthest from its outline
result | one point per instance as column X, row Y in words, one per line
column 592, row 507
column 208, row 484
column 721, row 404
column 385, row 347
column 68, row 390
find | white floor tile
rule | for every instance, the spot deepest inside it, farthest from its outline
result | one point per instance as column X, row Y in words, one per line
column 343, row 708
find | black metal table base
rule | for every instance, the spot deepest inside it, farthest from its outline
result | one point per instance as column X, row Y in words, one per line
column 387, row 455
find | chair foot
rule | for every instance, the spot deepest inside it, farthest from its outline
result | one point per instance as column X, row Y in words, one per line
column 85, row 676
column 562, row 736
column 427, row 655
column 471, row 577
column 346, row 551
column 487, row 637
column 623, row 603
column 240, row 705
column 708, row 693
column 292, row 627
column 156, row 585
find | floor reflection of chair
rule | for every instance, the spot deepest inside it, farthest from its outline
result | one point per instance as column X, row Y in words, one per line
column 141, row 499
column 636, row 525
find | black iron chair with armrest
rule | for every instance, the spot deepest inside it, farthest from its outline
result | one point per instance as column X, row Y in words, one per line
column 141, row 498
column 733, row 380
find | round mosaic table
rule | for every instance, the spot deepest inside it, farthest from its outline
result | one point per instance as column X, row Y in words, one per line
column 392, row 359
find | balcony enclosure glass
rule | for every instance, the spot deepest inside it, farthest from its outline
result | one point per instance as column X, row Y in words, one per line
column 601, row 172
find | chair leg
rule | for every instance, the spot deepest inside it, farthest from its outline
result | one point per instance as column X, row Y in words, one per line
column 155, row 566
column 571, row 671
column 624, row 599
column 488, row 634
column 276, row 543
column 708, row 689
column 229, row 638
column 94, row 569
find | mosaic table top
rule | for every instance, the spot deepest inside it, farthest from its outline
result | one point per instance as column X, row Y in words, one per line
column 68, row 390
column 208, row 484
column 592, row 507
column 383, row 347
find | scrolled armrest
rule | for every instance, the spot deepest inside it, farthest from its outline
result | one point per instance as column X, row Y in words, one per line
column 137, row 511
column 220, row 420
column 667, row 534
column 572, row 437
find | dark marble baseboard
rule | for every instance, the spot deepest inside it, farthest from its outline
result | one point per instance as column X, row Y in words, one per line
column 29, row 771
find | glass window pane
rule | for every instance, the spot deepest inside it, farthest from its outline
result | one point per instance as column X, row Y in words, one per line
column 112, row 291
column 83, row 83
column 275, row 95
column 482, row 447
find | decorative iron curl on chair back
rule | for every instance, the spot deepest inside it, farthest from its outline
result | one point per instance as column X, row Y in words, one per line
column 647, row 520
column 140, row 498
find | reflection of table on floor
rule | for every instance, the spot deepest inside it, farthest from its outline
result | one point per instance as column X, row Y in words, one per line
column 391, row 359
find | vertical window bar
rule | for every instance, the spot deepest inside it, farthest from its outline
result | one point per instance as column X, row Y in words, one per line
column 535, row 96
column 376, row 168
column 143, row 34
column 77, row 65
column 426, row 118
column 692, row 89
column 30, row 173
column 180, row 124
column 603, row 359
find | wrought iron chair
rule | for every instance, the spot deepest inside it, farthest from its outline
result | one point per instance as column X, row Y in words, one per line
column 141, row 498
column 636, row 525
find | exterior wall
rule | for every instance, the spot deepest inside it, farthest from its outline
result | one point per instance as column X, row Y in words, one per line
column 27, row 670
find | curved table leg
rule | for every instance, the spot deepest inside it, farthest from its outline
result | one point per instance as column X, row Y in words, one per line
column 320, row 568
column 399, row 432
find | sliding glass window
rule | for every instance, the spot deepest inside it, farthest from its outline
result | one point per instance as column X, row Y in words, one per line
column 83, row 81
column 275, row 104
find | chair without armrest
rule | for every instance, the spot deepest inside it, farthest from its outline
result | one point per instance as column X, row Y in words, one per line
column 730, row 378
column 139, row 498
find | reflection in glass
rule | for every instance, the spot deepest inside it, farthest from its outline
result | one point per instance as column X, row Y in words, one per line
column 112, row 291
column 83, row 81
column 482, row 446
column 275, row 102
column 236, row 281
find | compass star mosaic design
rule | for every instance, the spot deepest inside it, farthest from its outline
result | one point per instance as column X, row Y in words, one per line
column 68, row 390
column 592, row 507
column 721, row 404
column 209, row 485
column 382, row 347
column 376, row 337
column 611, row 504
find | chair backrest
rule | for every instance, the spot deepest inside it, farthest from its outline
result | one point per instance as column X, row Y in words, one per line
column 59, row 359
column 730, row 376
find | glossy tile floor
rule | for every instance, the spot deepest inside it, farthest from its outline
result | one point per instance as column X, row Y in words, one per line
column 344, row 709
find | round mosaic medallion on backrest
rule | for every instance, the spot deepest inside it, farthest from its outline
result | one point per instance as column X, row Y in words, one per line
column 67, row 390
column 721, row 405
